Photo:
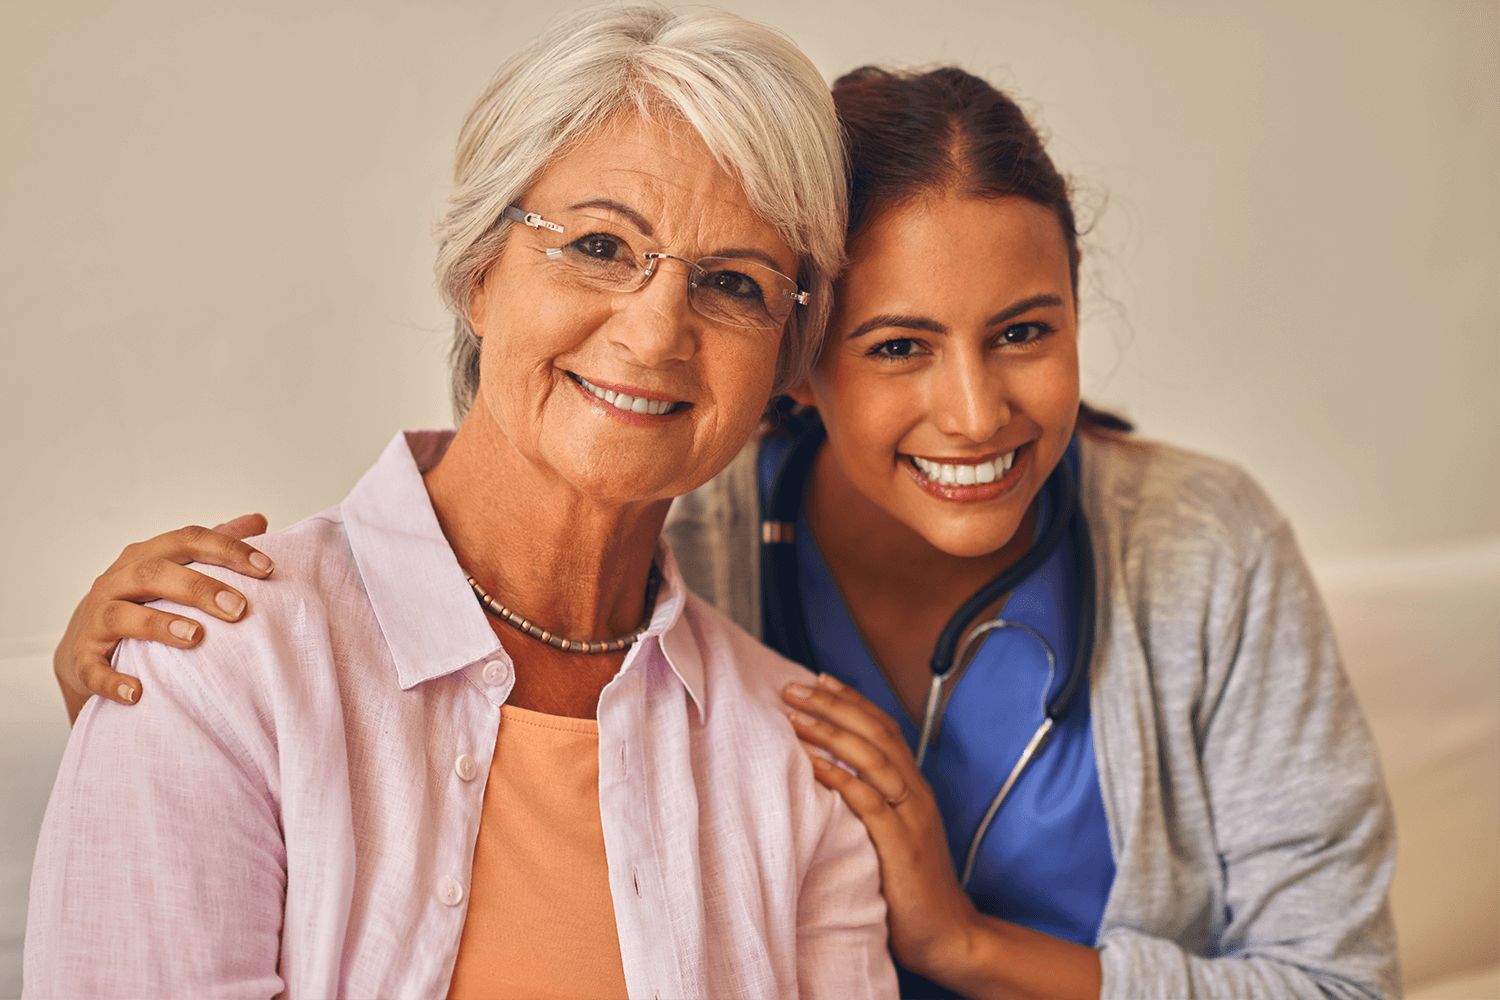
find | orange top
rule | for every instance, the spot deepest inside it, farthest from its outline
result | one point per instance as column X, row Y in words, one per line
column 541, row 922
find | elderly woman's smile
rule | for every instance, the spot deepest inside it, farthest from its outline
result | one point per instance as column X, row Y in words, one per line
column 626, row 403
column 629, row 394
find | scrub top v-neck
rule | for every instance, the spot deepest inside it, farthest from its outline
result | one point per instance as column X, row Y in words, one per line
column 1045, row 862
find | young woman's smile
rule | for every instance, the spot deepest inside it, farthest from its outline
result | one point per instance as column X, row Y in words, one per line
column 949, row 381
column 964, row 479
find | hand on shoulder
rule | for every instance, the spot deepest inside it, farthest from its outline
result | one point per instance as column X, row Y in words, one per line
column 156, row 569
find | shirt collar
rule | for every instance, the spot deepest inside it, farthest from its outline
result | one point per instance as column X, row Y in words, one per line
column 671, row 629
column 431, row 621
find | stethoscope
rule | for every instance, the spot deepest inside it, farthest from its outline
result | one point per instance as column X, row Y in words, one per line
column 785, row 626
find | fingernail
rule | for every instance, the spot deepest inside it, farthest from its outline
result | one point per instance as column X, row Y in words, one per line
column 818, row 763
column 231, row 604
column 800, row 719
column 799, row 692
column 829, row 682
column 184, row 630
column 127, row 694
column 261, row 561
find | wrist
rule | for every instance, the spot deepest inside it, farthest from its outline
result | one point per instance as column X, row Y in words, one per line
column 954, row 953
column 970, row 954
column 1002, row 959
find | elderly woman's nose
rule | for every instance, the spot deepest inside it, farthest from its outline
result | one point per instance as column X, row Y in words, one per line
column 968, row 398
column 655, row 324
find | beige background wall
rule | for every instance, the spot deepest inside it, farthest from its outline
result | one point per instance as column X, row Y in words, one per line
column 215, row 290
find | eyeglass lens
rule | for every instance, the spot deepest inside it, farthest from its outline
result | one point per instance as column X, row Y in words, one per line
column 603, row 254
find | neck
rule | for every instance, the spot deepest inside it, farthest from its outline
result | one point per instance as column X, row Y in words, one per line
column 571, row 563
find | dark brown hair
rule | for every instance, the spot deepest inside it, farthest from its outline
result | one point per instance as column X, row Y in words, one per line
column 912, row 134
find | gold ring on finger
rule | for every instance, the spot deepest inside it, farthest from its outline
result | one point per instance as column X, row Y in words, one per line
column 900, row 798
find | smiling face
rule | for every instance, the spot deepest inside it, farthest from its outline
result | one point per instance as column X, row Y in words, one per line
column 634, row 396
column 949, row 378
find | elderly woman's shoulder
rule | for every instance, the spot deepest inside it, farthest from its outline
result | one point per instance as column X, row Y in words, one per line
column 285, row 630
column 1136, row 488
column 738, row 669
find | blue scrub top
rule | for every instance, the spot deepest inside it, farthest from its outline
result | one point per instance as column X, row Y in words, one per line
column 1045, row 862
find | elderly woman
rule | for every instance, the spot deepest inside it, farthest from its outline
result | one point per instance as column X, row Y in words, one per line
column 478, row 739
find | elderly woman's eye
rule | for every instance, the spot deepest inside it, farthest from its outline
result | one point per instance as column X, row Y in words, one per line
column 733, row 284
column 600, row 246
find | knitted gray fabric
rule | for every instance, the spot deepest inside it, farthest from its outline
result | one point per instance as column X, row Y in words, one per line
column 1252, row 835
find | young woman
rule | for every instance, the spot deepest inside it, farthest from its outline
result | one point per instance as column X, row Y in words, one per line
column 1090, row 707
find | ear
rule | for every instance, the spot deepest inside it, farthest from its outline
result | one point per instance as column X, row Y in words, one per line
column 802, row 393
column 479, row 296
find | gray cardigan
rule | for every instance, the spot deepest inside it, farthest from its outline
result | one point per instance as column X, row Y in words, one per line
column 1252, row 835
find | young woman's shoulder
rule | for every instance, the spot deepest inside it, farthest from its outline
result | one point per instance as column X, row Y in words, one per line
column 1149, row 492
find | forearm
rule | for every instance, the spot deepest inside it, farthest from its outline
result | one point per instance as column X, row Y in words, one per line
column 1005, row 961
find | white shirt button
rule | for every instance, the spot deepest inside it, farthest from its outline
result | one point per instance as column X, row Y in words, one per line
column 450, row 892
column 495, row 673
column 465, row 767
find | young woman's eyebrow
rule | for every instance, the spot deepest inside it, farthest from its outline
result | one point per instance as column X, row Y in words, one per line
column 899, row 321
column 636, row 220
column 933, row 326
column 1024, row 306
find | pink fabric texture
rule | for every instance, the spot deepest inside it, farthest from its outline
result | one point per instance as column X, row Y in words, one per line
column 285, row 811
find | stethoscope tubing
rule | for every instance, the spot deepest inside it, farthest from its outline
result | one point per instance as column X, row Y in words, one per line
column 933, row 711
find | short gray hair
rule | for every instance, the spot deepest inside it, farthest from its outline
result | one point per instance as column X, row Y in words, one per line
column 758, row 103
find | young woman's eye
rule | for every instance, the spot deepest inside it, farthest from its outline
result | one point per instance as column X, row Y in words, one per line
column 1025, row 333
column 901, row 347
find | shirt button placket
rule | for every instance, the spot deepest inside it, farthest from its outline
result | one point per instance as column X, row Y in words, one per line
column 495, row 673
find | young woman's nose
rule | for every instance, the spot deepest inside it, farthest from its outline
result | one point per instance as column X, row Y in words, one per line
column 968, row 398
column 655, row 324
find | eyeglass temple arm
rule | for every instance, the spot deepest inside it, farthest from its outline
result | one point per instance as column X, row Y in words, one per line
column 530, row 219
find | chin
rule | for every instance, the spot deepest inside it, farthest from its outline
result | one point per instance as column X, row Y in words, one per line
column 607, row 479
column 968, row 541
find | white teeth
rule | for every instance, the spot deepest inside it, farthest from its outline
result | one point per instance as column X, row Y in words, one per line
column 635, row 404
column 951, row 474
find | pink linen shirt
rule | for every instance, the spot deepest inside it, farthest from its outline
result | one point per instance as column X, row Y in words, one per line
column 292, row 807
